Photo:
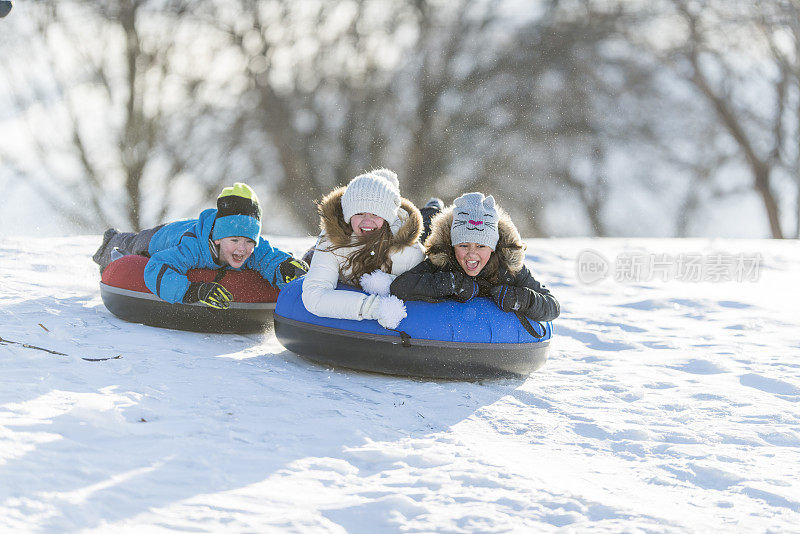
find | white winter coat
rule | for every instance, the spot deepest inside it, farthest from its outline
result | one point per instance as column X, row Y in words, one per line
column 320, row 295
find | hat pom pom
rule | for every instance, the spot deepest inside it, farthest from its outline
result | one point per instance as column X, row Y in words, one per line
column 391, row 176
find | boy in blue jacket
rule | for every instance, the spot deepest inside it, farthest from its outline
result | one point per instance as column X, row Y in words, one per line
column 224, row 238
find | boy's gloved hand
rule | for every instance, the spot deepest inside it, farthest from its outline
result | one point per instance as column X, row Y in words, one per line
column 511, row 298
column 211, row 294
column 292, row 269
column 389, row 311
column 377, row 283
column 464, row 287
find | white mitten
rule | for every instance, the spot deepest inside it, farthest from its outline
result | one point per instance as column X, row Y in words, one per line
column 377, row 283
column 389, row 311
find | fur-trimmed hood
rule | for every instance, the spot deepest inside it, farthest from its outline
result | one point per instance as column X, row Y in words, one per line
column 510, row 248
column 405, row 232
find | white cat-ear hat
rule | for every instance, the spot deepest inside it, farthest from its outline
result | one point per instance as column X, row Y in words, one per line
column 474, row 220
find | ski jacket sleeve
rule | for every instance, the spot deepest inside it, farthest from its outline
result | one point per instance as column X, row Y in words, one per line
column 320, row 295
column 407, row 258
column 424, row 282
column 267, row 260
column 543, row 305
column 165, row 272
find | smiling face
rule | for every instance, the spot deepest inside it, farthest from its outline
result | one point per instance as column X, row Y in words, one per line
column 472, row 257
column 364, row 223
column 235, row 250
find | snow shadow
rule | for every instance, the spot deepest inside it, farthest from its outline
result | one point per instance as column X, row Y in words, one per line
column 592, row 340
column 83, row 328
column 185, row 415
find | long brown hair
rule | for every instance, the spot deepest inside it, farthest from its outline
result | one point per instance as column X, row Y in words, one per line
column 371, row 253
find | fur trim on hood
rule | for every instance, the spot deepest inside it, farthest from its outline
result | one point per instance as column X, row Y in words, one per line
column 339, row 233
column 510, row 249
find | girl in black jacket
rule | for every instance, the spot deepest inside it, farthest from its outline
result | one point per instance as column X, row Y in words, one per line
column 475, row 250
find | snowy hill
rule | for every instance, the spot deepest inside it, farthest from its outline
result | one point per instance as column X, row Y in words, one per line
column 669, row 404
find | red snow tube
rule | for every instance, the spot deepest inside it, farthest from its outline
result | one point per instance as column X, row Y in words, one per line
column 125, row 295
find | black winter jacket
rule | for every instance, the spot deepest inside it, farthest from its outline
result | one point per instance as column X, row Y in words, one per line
column 430, row 283
column 440, row 277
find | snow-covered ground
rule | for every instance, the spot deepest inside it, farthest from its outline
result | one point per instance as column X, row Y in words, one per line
column 666, row 406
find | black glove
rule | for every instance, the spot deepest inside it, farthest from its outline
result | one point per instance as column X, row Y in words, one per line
column 464, row 287
column 211, row 294
column 292, row 269
column 511, row 298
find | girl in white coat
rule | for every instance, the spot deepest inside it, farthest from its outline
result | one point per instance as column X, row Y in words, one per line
column 369, row 236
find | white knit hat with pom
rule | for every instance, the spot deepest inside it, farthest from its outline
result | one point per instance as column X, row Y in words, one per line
column 376, row 192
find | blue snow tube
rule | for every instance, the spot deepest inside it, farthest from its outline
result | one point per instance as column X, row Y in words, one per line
column 446, row 340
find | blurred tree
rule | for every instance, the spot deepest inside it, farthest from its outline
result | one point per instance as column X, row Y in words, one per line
column 743, row 60
column 116, row 112
column 454, row 96
column 170, row 99
column 506, row 102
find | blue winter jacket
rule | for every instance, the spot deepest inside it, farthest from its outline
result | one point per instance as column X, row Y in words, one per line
column 183, row 245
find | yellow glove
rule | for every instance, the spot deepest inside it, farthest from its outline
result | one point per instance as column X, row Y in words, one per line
column 292, row 269
column 211, row 294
